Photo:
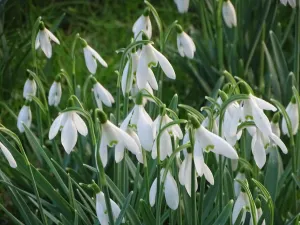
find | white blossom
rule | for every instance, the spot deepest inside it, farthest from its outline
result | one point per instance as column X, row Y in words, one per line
column 241, row 202
column 185, row 45
column 43, row 39
column 24, row 117
column 55, row 93
column 151, row 57
column 70, row 123
column 182, row 5
column 102, row 95
column 101, row 209
column 129, row 76
column 291, row 2
column 170, row 189
column 229, row 14
column 9, row 157
column 29, row 89
column 142, row 24
column 292, row 111
column 91, row 57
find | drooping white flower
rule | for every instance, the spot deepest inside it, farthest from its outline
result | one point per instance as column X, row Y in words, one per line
column 182, row 5
column 237, row 186
column 148, row 90
column 292, row 111
column 165, row 142
column 43, row 39
column 185, row 44
column 151, row 57
column 241, row 202
column 112, row 135
column 102, row 95
column 129, row 76
column 119, row 155
column 291, row 2
column 101, row 209
column 9, row 157
column 253, row 110
column 170, row 189
column 229, row 14
column 139, row 118
column 91, row 57
column 142, row 24
column 30, row 88
column 185, row 173
column 231, row 122
column 259, row 146
column 215, row 128
column 70, row 123
column 24, row 117
column 275, row 128
column 55, row 92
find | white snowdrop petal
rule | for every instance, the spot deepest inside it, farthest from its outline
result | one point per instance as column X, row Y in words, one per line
column 55, row 126
column 145, row 130
column 125, row 88
column 171, row 192
column 45, row 43
column 9, row 157
column 55, row 93
column 182, row 174
column 52, row 37
column 80, row 124
column 263, row 104
column 238, row 205
column 101, row 210
column 90, row 62
column 152, row 80
column 129, row 142
column 97, row 56
column 258, row 150
column 279, row 143
column 115, row 210
column 29, row 89
column 24, row 117
column 37, row 40
column 208, row 174
column 103, row 151
column 69, row 135
column 152, row 193
column 142, row 73
column 180, row 46
column 101, row 93
column 165, row 64
column 187, row 175
column 292, row 3
column 198, row 158
column 229, row 14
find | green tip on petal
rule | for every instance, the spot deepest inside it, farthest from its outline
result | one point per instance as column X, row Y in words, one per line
column 223, row 95
column 102, row 116
column 139, row 98
column 194, row 121
column 276, row 118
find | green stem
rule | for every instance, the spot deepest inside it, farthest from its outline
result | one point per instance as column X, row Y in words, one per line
column 297, row 45
column 220, row 35
column 262, row 62
column 193, row 174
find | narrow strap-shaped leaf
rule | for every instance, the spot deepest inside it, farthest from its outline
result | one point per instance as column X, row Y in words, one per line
column 11, row 216
column 225, row 214
column 123, row 209
column 148, row 217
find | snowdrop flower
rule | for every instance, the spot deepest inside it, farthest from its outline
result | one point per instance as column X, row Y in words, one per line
column 185, row 44
column 30, row 88
column 237, row 186
column 128, row 76
column 241, row 202
column 292, row 111
column 90, row 56
column 139, row 118
column 101, row 94
column 12, row 162
column 55, row 92
column 275, row 124
column 70, row 123
column 182, row 5
column 185, row 173
column 129, row 130
column 291, row 2
column 215, row 128
column 101, row 209
column 253, row 110
column 148, row 90
column 165, row 142
column 229, row 14
column 112, row 135
column 143, row 24
column 24, row 117
column 151, row 57
column 170, row 189
column 43, row 39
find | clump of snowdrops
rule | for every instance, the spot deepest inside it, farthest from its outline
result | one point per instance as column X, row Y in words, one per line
column 146, row 163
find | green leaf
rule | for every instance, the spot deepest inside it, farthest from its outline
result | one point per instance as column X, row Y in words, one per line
column 123, row 209
column 225, row 214
column 148, row 217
